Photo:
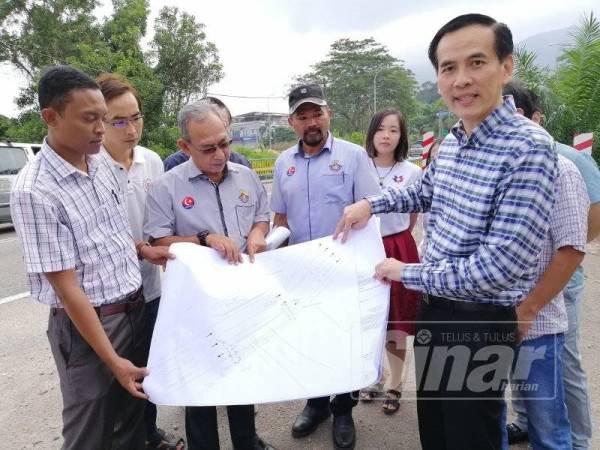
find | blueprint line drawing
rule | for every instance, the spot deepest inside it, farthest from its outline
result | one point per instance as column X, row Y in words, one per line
column 302, row 321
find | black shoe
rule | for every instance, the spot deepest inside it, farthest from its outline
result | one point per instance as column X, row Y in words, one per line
column 259, row 444
column 308, row 421
column 515, row 434
column 344, row 433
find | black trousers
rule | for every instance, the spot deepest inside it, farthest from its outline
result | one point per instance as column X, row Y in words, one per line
column 462, row 361
column 340, row 404
column 202, row 431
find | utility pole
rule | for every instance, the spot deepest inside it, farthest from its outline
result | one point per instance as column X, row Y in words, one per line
column 375, row 89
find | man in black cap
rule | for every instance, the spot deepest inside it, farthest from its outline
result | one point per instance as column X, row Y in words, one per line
column 312, row 182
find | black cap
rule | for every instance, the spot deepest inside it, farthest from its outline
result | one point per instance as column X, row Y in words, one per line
column 307, row 93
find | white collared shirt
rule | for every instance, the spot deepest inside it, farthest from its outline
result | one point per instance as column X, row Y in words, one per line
column 135, row 182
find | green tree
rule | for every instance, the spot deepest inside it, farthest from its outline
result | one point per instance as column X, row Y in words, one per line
column 38, row 33
column 428, row 93
column 28, row 127
column 351, row 72
column 570, row 97
column 527, row 71
column 5, row 125
column 279, row 135
column 576, row 84
column 283, row 134
column 186, row 62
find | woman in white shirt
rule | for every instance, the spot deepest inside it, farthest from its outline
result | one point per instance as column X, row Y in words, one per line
column 387, row 145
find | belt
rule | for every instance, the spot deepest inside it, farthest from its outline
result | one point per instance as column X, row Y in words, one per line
column 455, row 305
column 129, row 303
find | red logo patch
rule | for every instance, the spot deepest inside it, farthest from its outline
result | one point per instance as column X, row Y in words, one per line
column 188, row 202
column 291, row 171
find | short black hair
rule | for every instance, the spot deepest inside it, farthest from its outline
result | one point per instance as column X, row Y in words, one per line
column 522, row 97
column 58, row 82
column 401, row 150
column 535, row 102
column 502, row 34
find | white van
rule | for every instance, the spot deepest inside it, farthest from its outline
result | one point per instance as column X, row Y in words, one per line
column 13, row 158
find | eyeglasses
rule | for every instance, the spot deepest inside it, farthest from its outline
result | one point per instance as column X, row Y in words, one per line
column 212, row 149
column 122, row 123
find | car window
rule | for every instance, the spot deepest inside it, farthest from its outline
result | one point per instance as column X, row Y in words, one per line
column 12, row 159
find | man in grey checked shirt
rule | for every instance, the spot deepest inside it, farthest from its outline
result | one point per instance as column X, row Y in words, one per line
column 81, row 260
column 542, row 411
column 489, row 194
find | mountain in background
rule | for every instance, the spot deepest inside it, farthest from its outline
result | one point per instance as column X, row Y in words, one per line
column 546, row 45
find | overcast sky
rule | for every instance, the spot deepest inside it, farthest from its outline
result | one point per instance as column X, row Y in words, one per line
column 263, row 44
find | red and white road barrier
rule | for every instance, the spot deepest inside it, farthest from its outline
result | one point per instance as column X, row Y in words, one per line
column 428, row 140
column 583, row 142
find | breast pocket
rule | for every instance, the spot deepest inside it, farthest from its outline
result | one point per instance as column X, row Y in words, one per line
column 245, row 218
column 337, row 188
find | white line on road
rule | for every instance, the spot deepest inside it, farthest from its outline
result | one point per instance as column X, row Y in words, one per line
column 12, row 298
column 3, row 241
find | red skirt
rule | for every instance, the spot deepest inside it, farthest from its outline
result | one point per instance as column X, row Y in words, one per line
column 403, row 302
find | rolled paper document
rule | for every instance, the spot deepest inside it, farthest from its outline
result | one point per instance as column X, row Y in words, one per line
column 276, row 237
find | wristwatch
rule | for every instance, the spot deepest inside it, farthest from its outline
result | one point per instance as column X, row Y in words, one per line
column 202, row 237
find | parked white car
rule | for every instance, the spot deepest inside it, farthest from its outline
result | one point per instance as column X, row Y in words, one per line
column 13, row 157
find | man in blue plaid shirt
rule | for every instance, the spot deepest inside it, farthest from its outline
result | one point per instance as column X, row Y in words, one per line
column 489, row 194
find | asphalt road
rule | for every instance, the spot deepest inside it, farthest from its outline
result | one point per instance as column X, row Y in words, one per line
column 31, row 404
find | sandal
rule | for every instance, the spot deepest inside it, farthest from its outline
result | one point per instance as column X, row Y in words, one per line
column 167, row 442
column 368, row 395
column 391, row 404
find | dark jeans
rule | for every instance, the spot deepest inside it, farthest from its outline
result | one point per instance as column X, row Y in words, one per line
column 152, row 435
column 202, row 431
column 340, row 404
column 462, row 361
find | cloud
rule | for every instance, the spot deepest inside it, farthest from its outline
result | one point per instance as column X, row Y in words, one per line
column 345, row 16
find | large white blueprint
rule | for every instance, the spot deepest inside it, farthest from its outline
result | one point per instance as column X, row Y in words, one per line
column 303, row 321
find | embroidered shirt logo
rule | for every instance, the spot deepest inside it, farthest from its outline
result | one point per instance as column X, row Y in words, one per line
column 398, row 178
column 188, row 202
column 291, row 171
column 244, row 196
column 335, row 166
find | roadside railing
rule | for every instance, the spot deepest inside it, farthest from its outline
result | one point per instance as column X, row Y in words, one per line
column 418, row 160
column 263, row 167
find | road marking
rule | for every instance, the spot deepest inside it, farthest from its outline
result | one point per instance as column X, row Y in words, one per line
column 12, row 298
column 3, row 241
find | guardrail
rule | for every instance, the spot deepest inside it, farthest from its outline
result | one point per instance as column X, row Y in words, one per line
column 418, row 160
column 263, row 167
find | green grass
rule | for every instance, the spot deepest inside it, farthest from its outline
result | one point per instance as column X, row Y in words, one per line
column 255, row 153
